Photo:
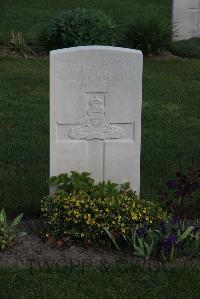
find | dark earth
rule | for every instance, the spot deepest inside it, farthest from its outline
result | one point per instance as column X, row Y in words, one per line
column 29, row 250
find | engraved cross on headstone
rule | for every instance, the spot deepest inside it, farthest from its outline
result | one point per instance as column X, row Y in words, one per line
column 95, row 131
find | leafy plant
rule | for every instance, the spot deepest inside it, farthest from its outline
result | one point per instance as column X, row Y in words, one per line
column 150, row 34
column 73, row 182
column 83, row 209
column 18, row 46
column 183, row 200
column 7, row 230
column 144, row 242
column 186, row 48
column 165, row 240
column 78, row 27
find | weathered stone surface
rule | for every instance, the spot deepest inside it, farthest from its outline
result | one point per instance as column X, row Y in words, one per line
column 95, row 112
column 186, row 19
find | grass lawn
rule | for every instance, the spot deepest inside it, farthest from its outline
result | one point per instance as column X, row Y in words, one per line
column 170, row 127
column 29, row 16
column 113, row 282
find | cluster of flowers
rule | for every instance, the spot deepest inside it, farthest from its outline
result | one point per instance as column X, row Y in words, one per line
column 82, row 215
column 167, row 240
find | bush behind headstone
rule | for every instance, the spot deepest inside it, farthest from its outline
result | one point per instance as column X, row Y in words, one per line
column 78, row 27
column 150, row 34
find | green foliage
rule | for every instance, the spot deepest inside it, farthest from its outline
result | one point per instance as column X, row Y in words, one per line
column 82, row 208
column 145, row 247
column 7, row 230
column 150, row 34
column 30, row 19
column 165, row 241
column 17, row 45
column 186, row 48
column 182, row 200
column 78, row 27
column 73, row 182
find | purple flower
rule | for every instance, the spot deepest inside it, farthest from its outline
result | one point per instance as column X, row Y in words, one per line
column 168, row 243
column 176, row 219
column 141, row 232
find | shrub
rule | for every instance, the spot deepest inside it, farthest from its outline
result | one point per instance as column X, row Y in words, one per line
column 78, row 27
column 186, row 48
column 81, row 208
column 149, row 34
column 182, row 200
column 7, row 231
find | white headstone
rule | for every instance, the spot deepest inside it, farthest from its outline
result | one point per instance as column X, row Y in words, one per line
column 186, row 19
column 95, row 112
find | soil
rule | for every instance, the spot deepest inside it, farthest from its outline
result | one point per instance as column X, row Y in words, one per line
column 29, row 250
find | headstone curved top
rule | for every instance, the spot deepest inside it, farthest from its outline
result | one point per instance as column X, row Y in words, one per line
column 95, row 112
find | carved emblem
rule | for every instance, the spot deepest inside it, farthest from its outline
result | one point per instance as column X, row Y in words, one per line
column 96, row 125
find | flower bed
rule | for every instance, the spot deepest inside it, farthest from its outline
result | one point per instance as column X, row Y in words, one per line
column 105, row 216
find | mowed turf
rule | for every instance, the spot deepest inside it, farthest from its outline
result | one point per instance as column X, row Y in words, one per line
column 114, row 282
column 29, row 17
column 170, row 127
column 24, row 136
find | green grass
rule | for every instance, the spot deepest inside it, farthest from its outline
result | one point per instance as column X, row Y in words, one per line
column 23, row 133
column 29, row 18
column 170, row 121
column 112, row 282
column 170, row 127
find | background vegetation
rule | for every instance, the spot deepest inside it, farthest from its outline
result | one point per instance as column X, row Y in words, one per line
column 186, row 48
column 30, row 17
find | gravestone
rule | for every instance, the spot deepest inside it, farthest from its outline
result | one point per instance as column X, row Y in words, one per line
column 95, row 112
column 186, row 19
